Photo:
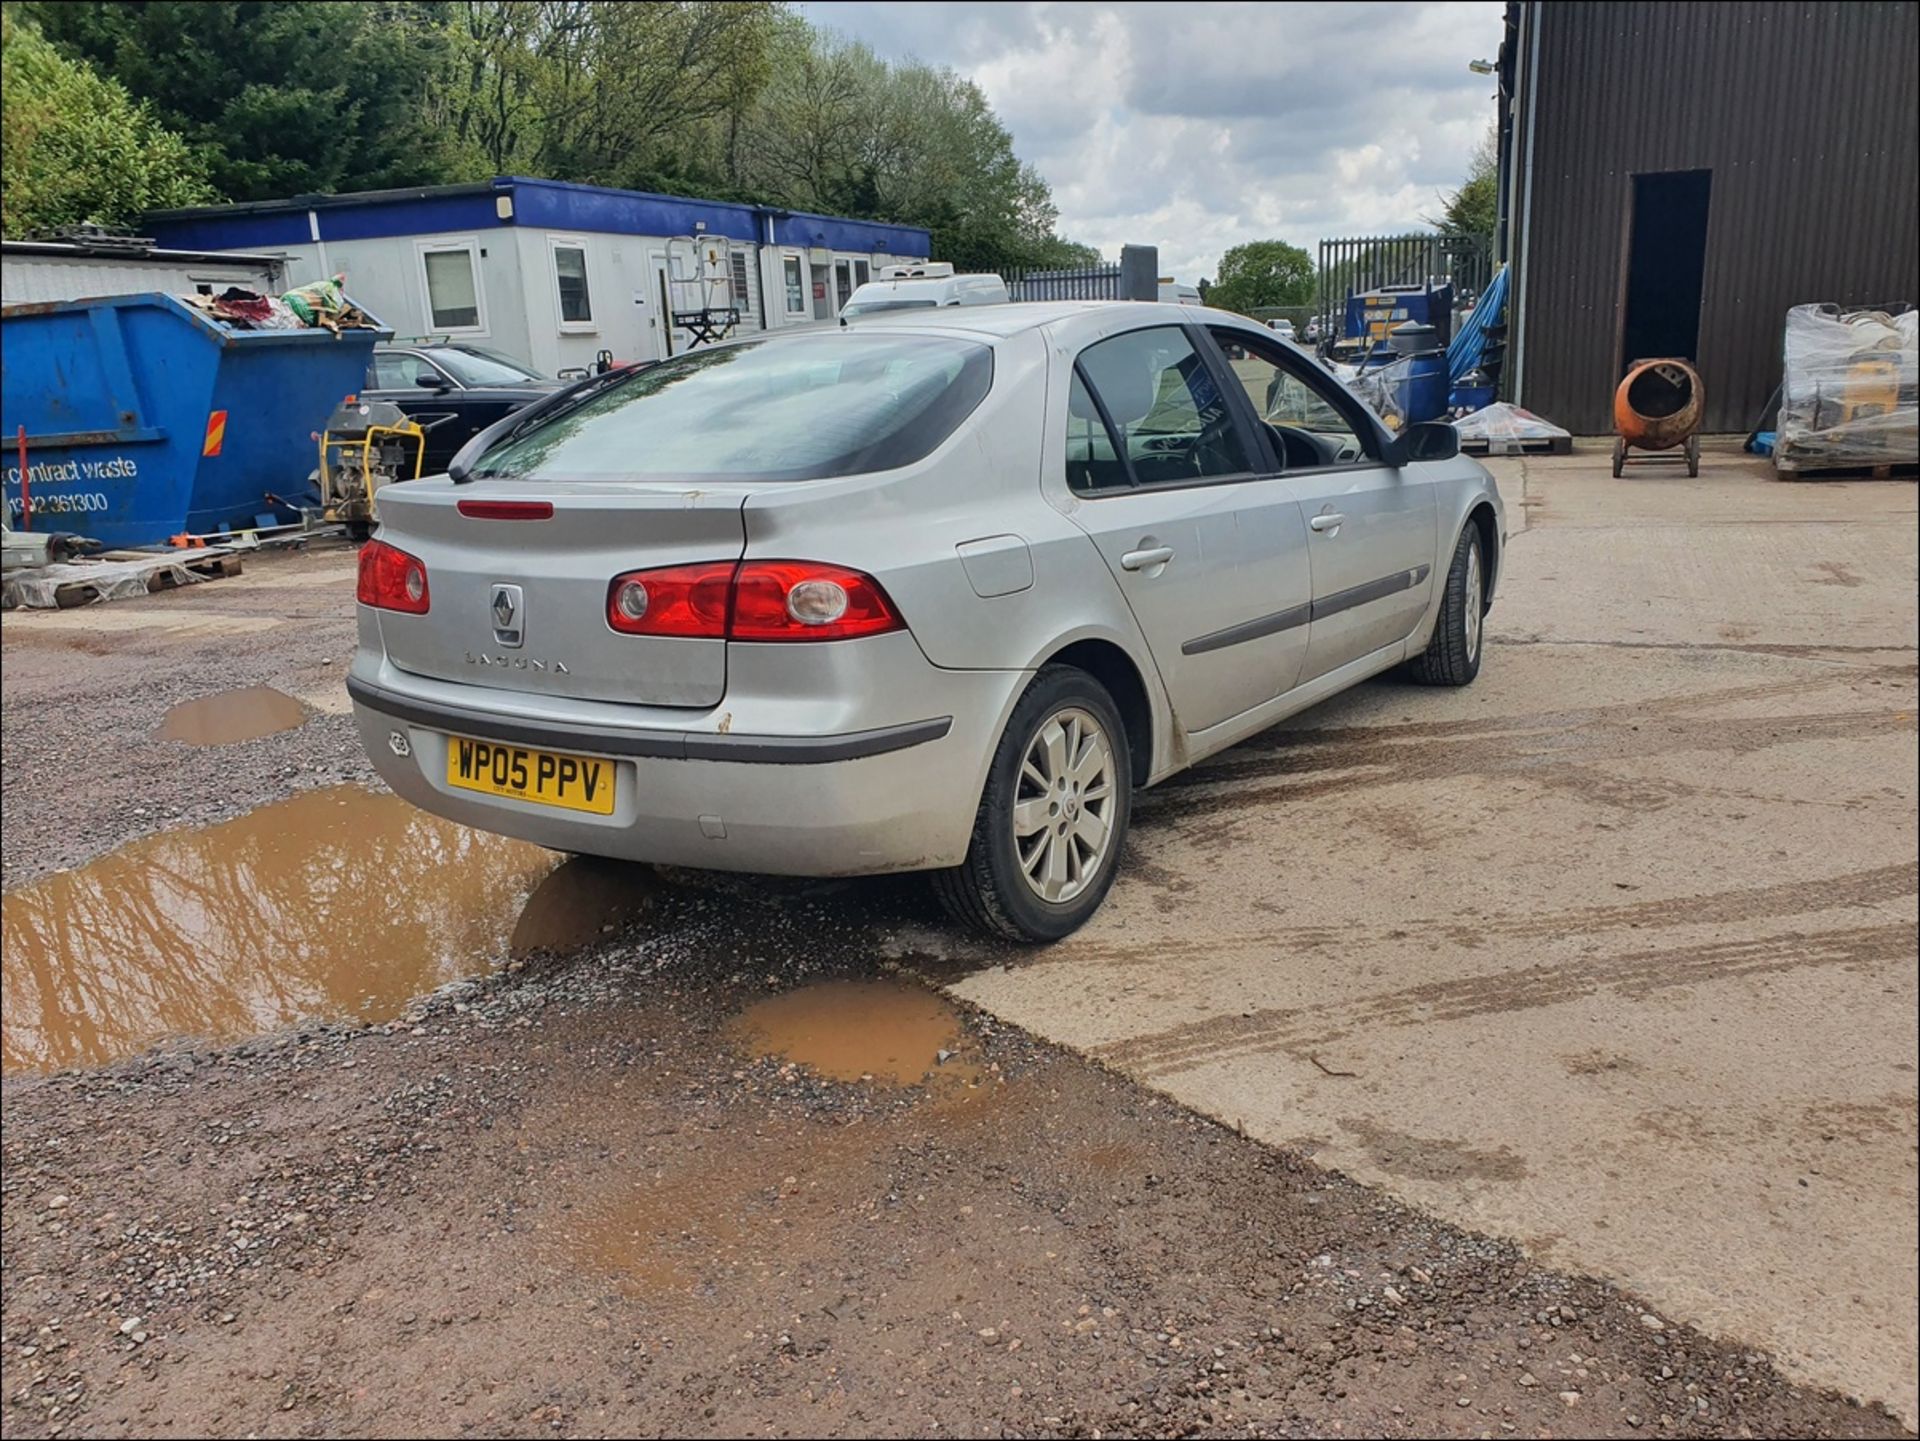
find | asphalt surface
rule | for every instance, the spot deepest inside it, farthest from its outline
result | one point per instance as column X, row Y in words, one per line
column 1536, row 1059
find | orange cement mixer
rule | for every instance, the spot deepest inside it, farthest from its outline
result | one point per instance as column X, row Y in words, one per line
column 1657, row 409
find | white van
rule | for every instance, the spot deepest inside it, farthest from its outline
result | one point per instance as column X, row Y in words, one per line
column 1174, row 292
column 923, row 287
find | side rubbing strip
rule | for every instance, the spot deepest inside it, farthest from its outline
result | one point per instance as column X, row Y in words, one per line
column 1300, row 614
column 1248, row 630
column 1373, row 590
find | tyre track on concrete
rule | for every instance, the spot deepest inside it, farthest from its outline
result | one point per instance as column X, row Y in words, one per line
column 1318, row 766
column 1853, row 890
column 1632, row 975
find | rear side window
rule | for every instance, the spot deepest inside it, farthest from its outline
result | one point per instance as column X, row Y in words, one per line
column 1169, row 417
column 392, row 371
column 1092, row 463
column 805, row 407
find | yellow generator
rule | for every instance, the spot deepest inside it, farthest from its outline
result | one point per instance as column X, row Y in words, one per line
column 367, row 444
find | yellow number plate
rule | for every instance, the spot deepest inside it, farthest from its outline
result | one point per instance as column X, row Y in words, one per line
column 577, row 783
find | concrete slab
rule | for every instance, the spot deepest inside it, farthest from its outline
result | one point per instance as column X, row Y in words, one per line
column 1612, row 952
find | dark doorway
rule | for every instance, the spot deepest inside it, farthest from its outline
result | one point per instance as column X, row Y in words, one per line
column 1666, row 261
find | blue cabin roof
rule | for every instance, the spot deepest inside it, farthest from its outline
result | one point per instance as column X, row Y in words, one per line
column 514, row 200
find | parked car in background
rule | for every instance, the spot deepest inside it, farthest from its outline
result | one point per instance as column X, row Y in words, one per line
column 453, row 392
column 922, row 287
column 937, row 594
column 1174, row 292
column 1313, row 329
column 1282, row 327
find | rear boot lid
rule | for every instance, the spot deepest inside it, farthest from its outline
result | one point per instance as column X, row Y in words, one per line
column 520, row 605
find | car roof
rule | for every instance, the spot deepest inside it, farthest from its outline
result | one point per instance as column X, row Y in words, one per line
column 1017, row 316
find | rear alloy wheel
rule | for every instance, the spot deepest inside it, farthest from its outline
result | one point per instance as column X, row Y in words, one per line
column 1053, row 819
column 1452, row 656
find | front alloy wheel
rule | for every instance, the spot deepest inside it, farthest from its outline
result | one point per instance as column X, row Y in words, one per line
column 1452, row 656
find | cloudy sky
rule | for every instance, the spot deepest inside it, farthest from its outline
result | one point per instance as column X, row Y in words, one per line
column 1196, row 126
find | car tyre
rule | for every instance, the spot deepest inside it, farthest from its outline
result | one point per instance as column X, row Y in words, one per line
column 1452, row 656
column 1062, row 773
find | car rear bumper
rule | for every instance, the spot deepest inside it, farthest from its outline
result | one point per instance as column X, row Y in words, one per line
column 889, row 797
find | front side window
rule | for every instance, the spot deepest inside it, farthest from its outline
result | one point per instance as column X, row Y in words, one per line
column 1170, row 419
column 796, row 285
column 800, row 407
column 453, row 292
column 1306, row 428
column 570, row 274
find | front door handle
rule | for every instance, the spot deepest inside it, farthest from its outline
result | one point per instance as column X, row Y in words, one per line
column 1327, row 522
column 1144, row 559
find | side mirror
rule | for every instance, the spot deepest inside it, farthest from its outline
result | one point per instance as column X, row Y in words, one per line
column 431, row 380
column 1429, row 440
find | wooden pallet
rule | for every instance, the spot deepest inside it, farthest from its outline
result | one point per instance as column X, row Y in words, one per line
column 161, row 565
column 1552, row 445
column 1892, row 470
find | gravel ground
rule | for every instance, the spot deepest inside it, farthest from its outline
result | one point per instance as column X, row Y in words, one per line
column 568, row 1198
column 84, row 693
column 429, row 1227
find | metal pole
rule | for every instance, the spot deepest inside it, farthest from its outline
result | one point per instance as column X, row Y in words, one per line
column 26, row 497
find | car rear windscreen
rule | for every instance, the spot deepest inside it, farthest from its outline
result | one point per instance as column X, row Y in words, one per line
column 874, row 307
column 802, row 407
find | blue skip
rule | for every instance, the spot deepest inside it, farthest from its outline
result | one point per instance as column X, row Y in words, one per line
column 145, row 417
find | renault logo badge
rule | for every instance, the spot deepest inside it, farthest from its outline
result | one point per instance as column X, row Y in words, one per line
column 509, row 615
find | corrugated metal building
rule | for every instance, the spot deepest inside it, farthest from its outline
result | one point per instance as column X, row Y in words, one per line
column 35, row 270
column 1676, row 175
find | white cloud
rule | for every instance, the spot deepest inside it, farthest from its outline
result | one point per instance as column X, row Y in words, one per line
column 1197, row 126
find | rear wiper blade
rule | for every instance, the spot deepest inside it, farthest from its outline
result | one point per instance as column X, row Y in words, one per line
column 510, row 426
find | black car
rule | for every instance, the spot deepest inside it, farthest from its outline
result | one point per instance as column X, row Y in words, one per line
column 453, row 392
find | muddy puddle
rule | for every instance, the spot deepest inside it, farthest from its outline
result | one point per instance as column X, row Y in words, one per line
column 886, row 1031
column 232, row 716
column 681, row 1212
column 335, row 903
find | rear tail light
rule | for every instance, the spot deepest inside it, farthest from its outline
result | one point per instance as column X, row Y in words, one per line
column 759, row 600
column 682, row 600
column 799, row 600
column 390, row 579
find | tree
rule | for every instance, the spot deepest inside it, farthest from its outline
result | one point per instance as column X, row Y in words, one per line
column 1262, row 274
column 838, row 129
column 733, row 99
column 1472, row 209
column 75, row 148
column 623, row 85
column 278, row 99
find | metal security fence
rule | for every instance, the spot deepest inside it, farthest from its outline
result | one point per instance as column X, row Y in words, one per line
column 1098, row 282
column 1358, row 263
column 1134, row 277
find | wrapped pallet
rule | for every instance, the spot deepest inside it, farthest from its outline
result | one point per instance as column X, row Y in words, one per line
column 1850, row 396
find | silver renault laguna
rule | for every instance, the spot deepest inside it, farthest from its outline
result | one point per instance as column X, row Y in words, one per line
column 927, row 593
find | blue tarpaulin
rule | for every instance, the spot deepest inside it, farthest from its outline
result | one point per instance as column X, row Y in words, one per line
column 1465, row 352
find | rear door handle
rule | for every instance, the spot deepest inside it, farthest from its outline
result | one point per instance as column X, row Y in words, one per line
column 1142, row 559
column 1327, row 522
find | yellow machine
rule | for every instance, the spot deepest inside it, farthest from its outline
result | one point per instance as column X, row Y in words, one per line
column 367, row 444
